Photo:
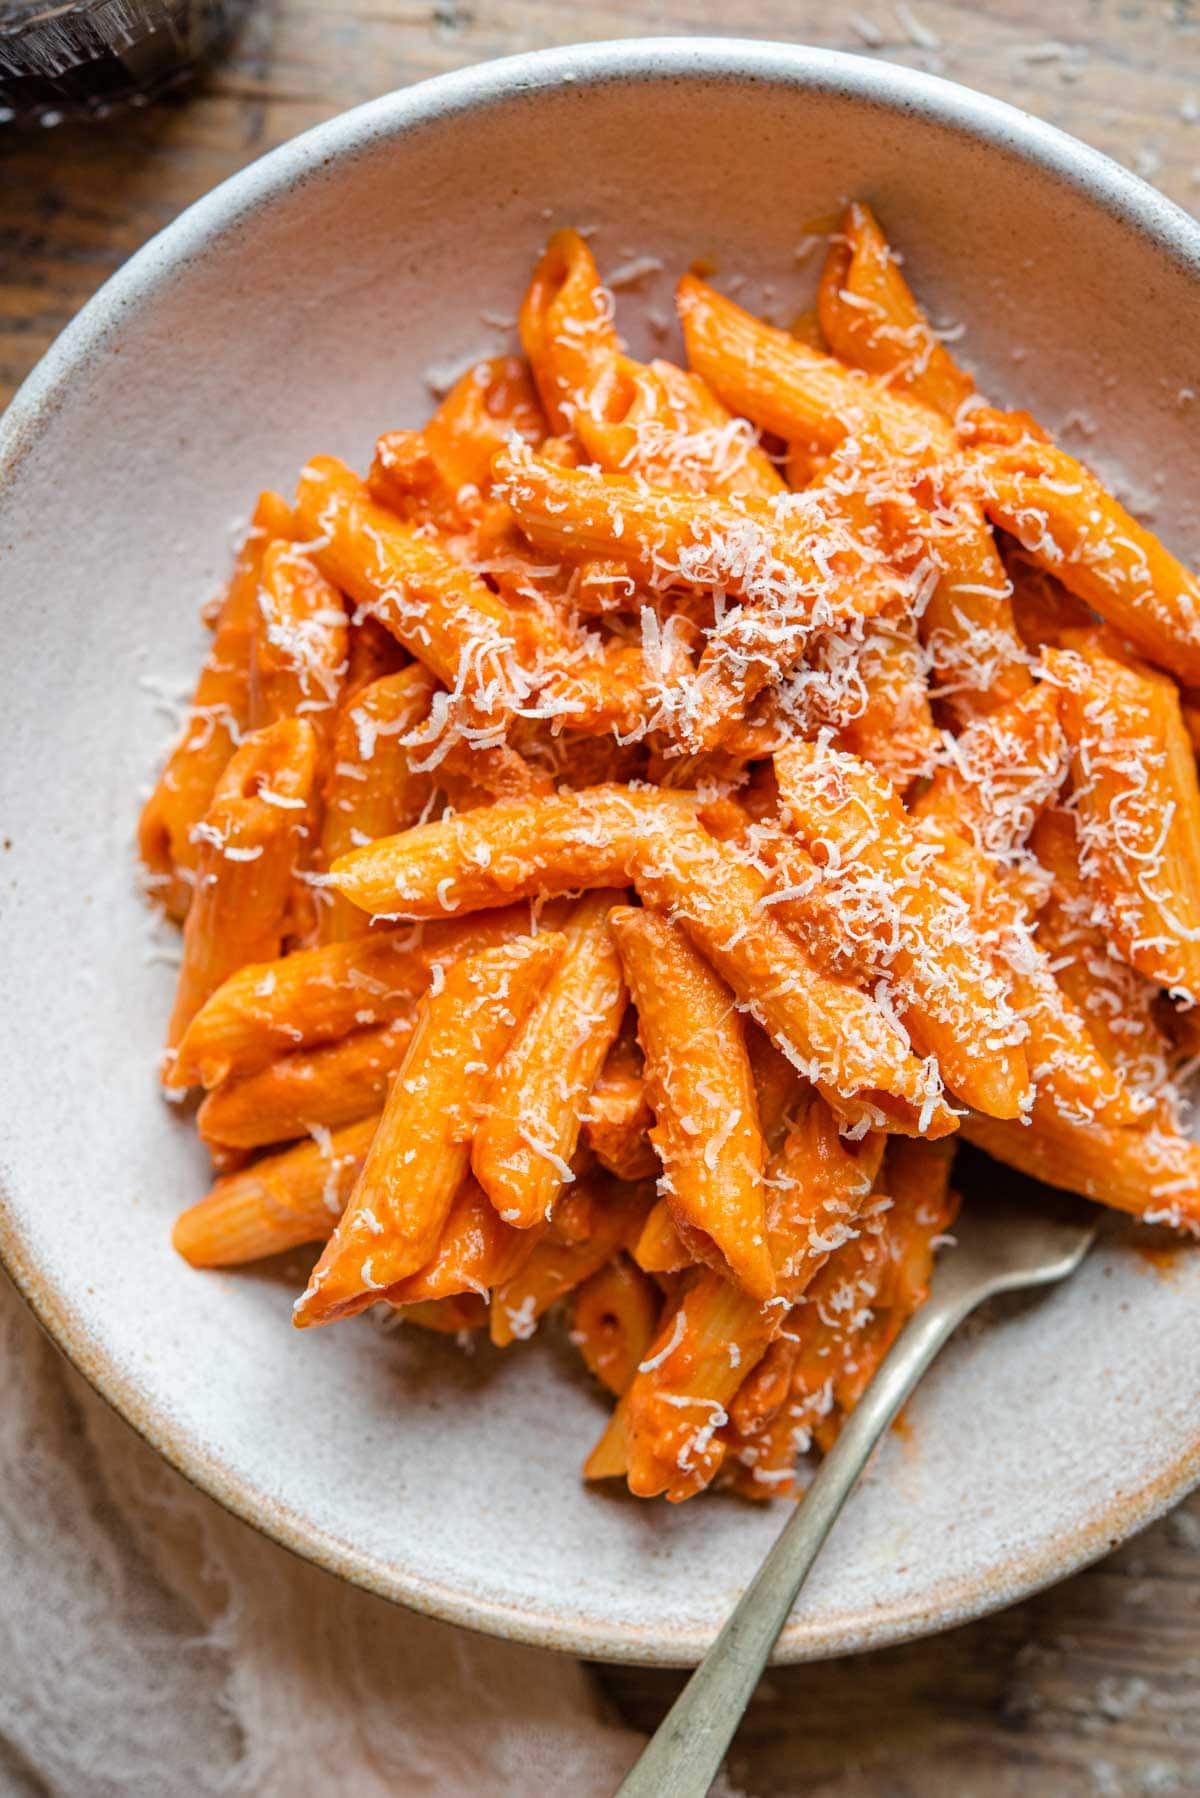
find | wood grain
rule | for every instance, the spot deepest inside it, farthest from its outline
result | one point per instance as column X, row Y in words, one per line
column 1090, row 1690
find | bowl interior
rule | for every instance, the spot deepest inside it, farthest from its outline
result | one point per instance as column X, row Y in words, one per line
column 308, row 306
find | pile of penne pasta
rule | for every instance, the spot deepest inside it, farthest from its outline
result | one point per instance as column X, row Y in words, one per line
column 625, row 839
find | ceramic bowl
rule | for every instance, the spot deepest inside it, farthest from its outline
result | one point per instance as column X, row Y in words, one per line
column 307, row 305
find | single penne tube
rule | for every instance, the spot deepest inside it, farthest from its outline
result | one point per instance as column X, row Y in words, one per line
column 666, row 426
column 819, row 1187
column 1137, row 810
column 494, row 399
column 833, row 1034
column 372, row 789
column 316, row 996
column 566, row 326
column 833, row 1325
column 1152, row 1173
column 616, row 1115
column 968, row 627
column 613, row 1320
column 1003, row 771
column 751, row 546
column 1068, row 1072
column 701, row 1090
column 660, row 1249
column 1119, row 1005
column 555, row 844
column 276, row 1203
column 765, row 1388
column 249, row 844
column 324, row 1087
column 526, row 1140
column 872, row 321
column 405, row 477
column 1069, row 523
column 564, row 1258
column 421, row 1150
column 217, row 717
column 924, row 1205
column 794, row 563
column 880, row 888
column 795, row 392
column 677, row 1405
column 301, row 642
column 763, row 1464
column 890, row 723
column 445, row 616
column 476, row 1251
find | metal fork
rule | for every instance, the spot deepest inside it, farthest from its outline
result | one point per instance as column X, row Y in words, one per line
column 1017, row 1234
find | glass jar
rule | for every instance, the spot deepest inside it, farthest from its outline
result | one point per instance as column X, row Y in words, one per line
column 60, row 60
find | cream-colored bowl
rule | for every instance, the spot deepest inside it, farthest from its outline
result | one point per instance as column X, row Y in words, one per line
column 303, row 307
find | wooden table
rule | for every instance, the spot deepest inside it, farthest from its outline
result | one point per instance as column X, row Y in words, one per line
column 1090, row 1690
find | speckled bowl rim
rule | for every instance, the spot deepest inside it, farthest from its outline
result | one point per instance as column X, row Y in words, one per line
column 794, row 69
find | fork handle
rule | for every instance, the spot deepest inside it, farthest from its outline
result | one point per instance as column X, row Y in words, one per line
column 685, row 1753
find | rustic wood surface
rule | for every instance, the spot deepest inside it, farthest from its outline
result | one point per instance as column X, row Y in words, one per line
column 1091, row 1690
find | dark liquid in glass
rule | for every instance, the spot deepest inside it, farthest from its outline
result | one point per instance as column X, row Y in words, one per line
column 91, row 56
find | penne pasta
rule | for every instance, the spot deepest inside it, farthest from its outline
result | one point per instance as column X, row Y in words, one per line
column 563, row 1260
column 494, row 399
column 676, row 1409
column 834, row 1035
column 879, row 888
column 277, row 1203
column 442, row 614
column 475, row 1251
column 249, row 843
column 566, row 326
column 1137, row 810
column 785, row 387
column 701, row 1091
column 318, row 995
column 372, row 788
column 498, row 854
column 762, row 552
column 218, row 716
column 456, row 1316
column 1002, row 772
column 660, row 1249
column 969, row 625
column 657, row 422
column 623, row 840
column 614, row 1318
column 421, row 1150
column 1062, row 516
column 1118, row 1005
column 301, row 642
column 871, row 320
column 1068, row 1072
column 324, row 1087
column 1152, row 1173
column 526, row 1141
